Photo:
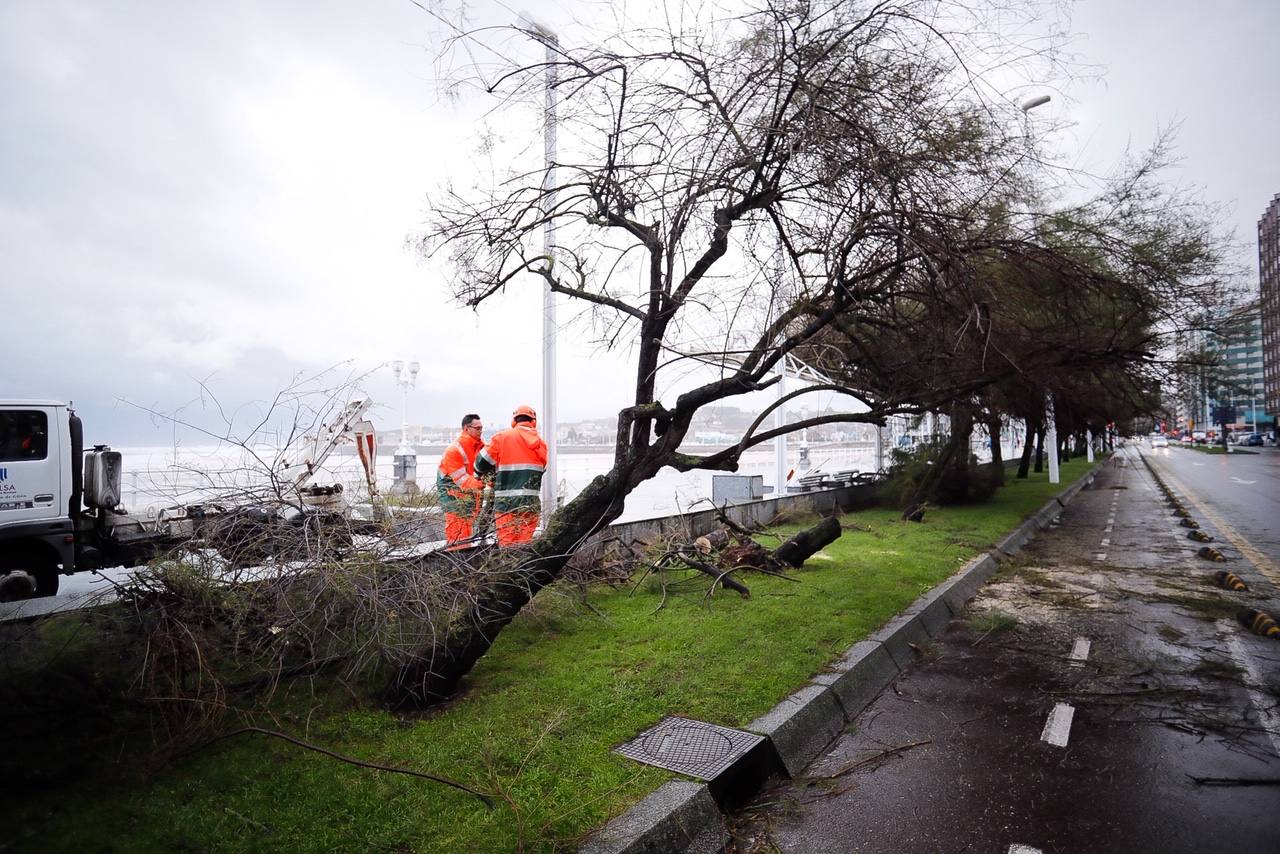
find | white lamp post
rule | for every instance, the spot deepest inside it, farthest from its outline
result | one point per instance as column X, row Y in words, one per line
column 547, row 415
column 406, row 458
column 780, row 443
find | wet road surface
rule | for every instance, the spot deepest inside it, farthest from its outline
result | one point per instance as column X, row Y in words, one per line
column 1240, row 491
column 1098, row 696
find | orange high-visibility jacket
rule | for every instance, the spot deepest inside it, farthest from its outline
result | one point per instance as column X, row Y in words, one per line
column 519, row 457
column 456, row 476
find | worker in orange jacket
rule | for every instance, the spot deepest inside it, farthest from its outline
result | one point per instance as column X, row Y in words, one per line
column 457, row 486
column 517, row 459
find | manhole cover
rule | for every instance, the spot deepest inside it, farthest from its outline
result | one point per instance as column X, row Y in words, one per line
column 695, row 748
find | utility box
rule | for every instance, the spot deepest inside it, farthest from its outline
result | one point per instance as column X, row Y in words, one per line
column 736, row 488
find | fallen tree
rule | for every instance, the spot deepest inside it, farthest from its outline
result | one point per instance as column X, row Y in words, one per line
column 764, row 176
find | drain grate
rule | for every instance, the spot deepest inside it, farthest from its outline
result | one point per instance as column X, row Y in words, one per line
column 695, row 748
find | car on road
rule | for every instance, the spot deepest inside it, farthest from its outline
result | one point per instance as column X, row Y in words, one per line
column 1187, row 440
column 1253, row 440
column 1159, row 442
column 1199, row 437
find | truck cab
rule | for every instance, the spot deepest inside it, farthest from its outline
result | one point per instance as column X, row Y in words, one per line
column 38, row 497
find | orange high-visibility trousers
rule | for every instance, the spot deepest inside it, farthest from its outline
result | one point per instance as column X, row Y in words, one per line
column 515, row 528
column 457, row 528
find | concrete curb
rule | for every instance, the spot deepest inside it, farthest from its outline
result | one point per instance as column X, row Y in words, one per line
column 801, row 726
column 679, row 816
column 683, row 816
column 862, row 673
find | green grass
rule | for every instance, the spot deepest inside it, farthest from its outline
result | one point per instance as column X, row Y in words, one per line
column 539, row 715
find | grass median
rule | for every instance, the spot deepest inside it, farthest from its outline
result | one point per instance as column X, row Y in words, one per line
column 538, row 717
column 1217, row 449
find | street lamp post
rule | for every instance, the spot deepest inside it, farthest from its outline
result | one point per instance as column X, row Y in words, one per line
column 780, row 443
column 405, row 466
column 547, row 417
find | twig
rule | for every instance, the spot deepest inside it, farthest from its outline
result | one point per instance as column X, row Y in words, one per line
column 884, row 754
column 984, row 636
column 662, row 603
column 764, row 571
column 360, row 763
column 722, row 577
column 1235, row 781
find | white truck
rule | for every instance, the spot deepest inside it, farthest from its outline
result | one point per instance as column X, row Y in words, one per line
column 60, row 505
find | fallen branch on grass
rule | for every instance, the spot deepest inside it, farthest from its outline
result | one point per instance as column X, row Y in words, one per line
column 360, row 763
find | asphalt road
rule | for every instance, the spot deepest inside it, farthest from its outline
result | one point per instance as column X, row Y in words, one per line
column 1098, row 696
column 1241, row 490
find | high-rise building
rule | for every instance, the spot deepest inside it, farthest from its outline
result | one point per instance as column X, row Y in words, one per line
column 1269, row 285
column 1236, row 379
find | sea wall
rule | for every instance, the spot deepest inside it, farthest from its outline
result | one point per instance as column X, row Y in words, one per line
column 688, row 526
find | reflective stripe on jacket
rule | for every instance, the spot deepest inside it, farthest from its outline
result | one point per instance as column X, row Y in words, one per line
column 457, row 486
column 519, row 457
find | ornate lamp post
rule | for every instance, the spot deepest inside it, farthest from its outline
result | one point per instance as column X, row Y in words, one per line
column 406, row 458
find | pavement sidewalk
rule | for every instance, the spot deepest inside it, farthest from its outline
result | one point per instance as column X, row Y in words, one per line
column 1097, row 695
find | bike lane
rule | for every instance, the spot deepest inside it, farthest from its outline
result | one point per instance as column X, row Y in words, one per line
column 1121, row 713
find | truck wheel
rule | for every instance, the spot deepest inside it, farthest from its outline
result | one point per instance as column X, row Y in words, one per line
column 46, row 580
column 27, row 568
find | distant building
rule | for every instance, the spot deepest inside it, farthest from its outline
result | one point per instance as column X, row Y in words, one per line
column 1187, row 399
column 1269, row 282
column 1227, row 344
column 1237, row 378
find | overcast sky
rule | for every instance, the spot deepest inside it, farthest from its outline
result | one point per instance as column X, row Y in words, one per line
column 222, row 193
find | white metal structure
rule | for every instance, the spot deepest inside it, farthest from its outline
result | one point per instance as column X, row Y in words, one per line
column 1032, row 103
column 297, row 469
column 406, row 457
column 547, row 423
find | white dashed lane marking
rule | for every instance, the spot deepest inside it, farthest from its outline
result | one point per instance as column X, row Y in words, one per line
column 1100, row 556
column 1080, row 652
column 1105, row 541
column 1057, row 729
column 1023, row 849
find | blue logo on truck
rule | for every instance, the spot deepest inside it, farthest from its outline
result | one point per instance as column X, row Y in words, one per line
column 4, row 475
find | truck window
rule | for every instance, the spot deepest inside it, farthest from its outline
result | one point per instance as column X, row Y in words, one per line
column 24, row 435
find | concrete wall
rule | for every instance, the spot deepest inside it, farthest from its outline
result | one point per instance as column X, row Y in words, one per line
column 755, row 513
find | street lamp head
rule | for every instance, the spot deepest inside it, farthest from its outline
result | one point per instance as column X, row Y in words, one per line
column 1032, row 103
column 396, row 367
column 526, row 21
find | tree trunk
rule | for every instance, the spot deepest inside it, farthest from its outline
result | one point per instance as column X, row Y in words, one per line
column 1040, row 430
column 1028, row 443
column 802, row 546
column 931, row 478
column 997, row 452
column 433, row 671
